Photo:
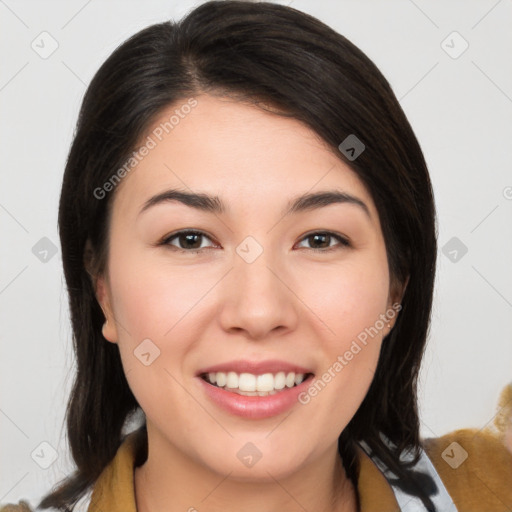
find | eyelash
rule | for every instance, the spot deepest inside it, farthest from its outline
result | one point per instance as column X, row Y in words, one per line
column 166, row 241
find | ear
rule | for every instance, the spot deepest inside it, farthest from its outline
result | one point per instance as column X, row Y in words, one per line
column 397, row 291
column 103, row 295
column 102, row 292
column 396, row 296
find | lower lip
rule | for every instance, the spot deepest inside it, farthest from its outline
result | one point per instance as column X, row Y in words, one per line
column 255, row 407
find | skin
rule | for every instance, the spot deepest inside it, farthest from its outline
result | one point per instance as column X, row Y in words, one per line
column 293, row 303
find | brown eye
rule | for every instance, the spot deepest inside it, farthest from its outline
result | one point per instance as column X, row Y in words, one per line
column 321, row 241
column 188, row 241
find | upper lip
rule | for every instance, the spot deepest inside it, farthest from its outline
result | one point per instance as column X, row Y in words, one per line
column 255, row 367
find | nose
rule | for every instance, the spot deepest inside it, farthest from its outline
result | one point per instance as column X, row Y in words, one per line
column 258, row 298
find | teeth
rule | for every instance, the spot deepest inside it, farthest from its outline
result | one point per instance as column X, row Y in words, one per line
column 253, row 385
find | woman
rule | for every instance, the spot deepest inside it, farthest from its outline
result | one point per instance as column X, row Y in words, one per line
column 272, row 372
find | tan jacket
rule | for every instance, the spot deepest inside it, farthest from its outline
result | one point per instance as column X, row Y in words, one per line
column 482, row 482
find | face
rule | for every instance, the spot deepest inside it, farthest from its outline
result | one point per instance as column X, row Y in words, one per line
column 307, row 289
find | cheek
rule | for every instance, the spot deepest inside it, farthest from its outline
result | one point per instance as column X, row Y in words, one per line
column 350, row 306
column 350, row 299
column 153, row 303
column 150, row 297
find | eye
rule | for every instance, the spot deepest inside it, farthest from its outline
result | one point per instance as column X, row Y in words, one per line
column 187, row 240
column 320, row 237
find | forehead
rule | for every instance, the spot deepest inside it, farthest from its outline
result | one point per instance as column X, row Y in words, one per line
column 238, row 152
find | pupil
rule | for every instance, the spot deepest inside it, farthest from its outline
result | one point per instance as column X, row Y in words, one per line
column 187, row 237
column 315, row 237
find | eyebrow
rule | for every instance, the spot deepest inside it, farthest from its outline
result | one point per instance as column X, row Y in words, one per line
column 213, row 204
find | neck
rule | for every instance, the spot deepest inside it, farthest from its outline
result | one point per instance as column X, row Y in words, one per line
column 174, row 482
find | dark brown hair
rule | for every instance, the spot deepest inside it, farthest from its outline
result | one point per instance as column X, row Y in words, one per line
column 261, row 53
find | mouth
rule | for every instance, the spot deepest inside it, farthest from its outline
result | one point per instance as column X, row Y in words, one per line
column 248, row 384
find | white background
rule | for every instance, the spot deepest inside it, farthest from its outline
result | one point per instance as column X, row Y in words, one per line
column 460, row 109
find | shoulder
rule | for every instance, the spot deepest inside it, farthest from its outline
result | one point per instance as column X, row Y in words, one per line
column 476, row 465
column 22, row 506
